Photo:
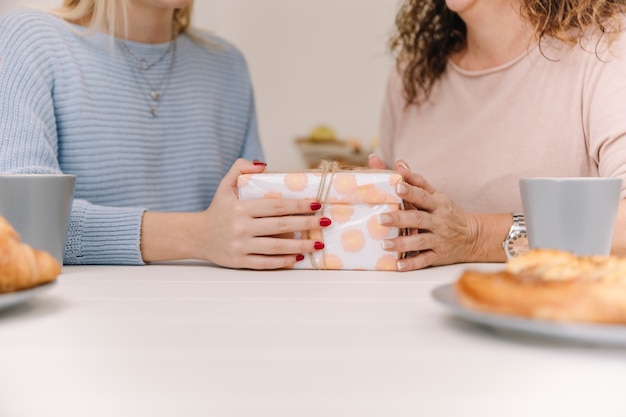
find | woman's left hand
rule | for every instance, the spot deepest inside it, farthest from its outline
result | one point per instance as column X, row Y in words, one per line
column 439, row 232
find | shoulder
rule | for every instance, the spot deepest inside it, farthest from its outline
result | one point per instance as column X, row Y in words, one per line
column 394, row 95
column 29, row 29
column 603, row 46
column 217, row 48
column 27, row 19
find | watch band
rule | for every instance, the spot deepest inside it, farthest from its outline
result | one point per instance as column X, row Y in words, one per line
column 519, row 221
column 516, row 242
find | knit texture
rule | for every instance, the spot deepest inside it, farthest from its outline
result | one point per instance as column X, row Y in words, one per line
column 72, row 103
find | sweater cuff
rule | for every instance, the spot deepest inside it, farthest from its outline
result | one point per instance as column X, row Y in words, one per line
column 104, row 235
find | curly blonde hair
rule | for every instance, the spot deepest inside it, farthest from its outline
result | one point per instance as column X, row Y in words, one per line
column 102, row 13
column 427, row 33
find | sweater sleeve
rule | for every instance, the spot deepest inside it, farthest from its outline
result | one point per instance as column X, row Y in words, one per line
column 29, row 141
column 252, row 148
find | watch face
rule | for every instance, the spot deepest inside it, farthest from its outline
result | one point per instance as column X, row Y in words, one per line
column 518, row 244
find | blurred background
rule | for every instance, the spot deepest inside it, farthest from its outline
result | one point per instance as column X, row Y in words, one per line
column 318, row 68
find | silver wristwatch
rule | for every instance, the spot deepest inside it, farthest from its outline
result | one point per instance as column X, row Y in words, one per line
column 516, row 242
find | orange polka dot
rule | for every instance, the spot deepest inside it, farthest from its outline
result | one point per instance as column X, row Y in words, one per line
column 329, row 261
column 296, row 181
column 336, row 200
column 341, row 213
column 387, row 263
column 352, row 240
column 394, row 179
column 392, row 198
column 243, row 180
column 376, row 231
column 371, row 194
column 364, row 192
column 344, row 183
column 273, row 195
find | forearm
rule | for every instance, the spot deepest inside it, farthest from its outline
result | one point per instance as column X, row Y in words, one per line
column 491, row 230
column 170, row 236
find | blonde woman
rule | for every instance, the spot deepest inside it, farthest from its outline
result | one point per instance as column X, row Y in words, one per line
column 486, row 92
column 155, row 120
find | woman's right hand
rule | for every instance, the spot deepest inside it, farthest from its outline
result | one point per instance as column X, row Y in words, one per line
column 251, row 233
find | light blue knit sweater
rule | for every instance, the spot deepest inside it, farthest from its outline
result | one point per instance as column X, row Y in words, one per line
column 70, row 103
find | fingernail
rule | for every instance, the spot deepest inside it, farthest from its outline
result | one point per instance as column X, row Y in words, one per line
column 386, row 244
column 401, row 188
column 319, row 246
column 315, row 206
column 402, row 165
column 325, row 221
column 401, row 265
column 372, row 155
column 299, row 257
column 259, row 163
column 384, row 218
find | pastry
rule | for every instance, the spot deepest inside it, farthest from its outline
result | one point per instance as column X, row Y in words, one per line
column 551, row 285
column 22, row 266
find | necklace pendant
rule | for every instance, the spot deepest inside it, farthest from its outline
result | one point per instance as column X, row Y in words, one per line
column 154, row 94
column 153, row 111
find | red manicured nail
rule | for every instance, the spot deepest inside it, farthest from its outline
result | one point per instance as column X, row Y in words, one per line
column 315, row 206
column 299, row 257
column 319, row 246
column 257, row 162
column 325, row 221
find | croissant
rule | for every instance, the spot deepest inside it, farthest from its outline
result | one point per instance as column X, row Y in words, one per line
column 22, row 266
column 551, row 285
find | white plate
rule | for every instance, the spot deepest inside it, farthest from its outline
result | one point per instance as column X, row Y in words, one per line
column 10, row 299
column 596, row 334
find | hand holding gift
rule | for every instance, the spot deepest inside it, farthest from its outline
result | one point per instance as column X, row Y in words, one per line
column 351, row 199
column 245, row 233
column 439, row 232
column 235, row 233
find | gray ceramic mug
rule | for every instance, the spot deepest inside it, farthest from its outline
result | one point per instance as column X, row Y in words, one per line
column 573, row 214
column 38, row 206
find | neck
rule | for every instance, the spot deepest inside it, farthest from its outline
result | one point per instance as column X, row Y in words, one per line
column 494, row 37
column 146, row 24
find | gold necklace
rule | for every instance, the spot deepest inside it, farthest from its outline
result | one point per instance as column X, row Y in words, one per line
column 139, row 67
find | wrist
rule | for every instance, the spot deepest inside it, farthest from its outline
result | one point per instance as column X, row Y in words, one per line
column 491, row 231
column 169, row 236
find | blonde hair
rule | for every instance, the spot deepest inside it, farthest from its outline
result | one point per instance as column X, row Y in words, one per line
column 102, row 14
column 428, row 32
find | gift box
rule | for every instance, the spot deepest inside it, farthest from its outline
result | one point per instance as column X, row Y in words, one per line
column 351, row 199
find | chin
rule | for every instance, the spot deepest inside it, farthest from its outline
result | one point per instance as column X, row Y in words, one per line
column 459, row 6
column 171, row 4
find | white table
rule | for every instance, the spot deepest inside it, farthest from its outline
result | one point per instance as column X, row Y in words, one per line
column 189, row 339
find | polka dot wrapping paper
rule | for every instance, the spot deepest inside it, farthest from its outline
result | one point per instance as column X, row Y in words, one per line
column 351, row 199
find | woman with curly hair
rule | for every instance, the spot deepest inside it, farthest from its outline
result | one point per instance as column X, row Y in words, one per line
column 156, row 120
column 486, row 92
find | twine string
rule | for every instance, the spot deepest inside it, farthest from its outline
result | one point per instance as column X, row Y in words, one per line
column 328, row 170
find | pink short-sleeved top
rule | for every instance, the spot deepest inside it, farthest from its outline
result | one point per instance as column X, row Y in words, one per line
column 551, row 112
